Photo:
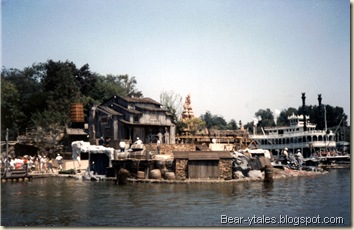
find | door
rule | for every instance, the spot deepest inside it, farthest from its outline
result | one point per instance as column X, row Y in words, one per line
column 203, row 169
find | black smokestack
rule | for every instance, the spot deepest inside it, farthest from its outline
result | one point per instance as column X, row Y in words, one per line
column 319, row 100
column 303, row 110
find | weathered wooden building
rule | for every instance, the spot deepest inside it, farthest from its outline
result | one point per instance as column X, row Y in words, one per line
column 203, row 165
column 126, row 118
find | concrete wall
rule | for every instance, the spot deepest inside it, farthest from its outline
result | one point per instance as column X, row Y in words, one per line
column 69, row 164
column 220, row 147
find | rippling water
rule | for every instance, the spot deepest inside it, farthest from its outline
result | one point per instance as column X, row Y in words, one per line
column 71, row 202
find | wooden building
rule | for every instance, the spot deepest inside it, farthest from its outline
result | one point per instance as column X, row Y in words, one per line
column 203, row 165
column 126, row 118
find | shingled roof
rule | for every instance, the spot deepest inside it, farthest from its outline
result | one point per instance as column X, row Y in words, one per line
column 106, row 109
column 140, row 100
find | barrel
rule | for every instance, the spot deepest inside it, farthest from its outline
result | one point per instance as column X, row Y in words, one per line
column 77, row 112
column 268, row 173
column 170, row 176
column 155, row 174
column 140, row 175
column 163, row 171
column 122, row 155
column 122, row 176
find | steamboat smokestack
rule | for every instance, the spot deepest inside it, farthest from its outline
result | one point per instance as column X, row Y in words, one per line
column 320, row 109
column 303, row 111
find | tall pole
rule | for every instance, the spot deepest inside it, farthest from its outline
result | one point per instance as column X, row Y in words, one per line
column 7, row 142
column 303, row 108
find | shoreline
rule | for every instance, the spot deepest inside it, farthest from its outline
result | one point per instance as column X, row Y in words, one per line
column 278, row 174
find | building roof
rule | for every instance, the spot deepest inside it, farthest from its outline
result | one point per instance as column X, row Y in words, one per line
column 127, row 109
column 141, row 100
column 202, row 155
column 106, row 109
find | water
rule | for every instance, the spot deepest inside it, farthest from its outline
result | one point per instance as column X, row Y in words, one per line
column 72, row 202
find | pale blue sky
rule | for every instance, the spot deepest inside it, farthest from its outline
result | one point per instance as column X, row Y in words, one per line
column 233, row 56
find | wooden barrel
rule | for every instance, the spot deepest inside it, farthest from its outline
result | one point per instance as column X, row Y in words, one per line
column 122, row 176
column 268, row 173
column 77, row 112
column 170, row 176
column 155, row 174
column 163, row 171
column 140, row 175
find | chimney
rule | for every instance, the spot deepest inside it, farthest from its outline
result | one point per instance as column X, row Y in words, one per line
column 303, row 111
column 319, row 100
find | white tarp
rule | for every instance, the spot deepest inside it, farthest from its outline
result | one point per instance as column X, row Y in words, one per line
column 86, row 147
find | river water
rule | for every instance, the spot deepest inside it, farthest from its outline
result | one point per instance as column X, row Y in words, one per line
column 316, row 201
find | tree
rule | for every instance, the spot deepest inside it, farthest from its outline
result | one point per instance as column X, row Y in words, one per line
column 283, row 120
column 195, row 125
column 128, row 84
column 40, row 95
column 106, row 87
column 214, row 121
column 232, row 125
column 11, row 115
column 265, row 118
column 173, row 103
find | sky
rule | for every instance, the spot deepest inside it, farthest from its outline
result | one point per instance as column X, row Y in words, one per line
column 233, row 57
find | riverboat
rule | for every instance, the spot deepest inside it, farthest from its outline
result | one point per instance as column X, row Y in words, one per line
column 298, row 135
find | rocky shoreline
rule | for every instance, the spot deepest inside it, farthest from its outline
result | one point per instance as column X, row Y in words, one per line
column 277, row 174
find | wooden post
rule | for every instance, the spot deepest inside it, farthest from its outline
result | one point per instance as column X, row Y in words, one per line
column 268, row 174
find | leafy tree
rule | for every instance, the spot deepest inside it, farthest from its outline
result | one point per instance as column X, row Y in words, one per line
column 11, row 113
column 40, row 95
column 232, row 125
column 195, row 125
column 214, row 121
column 283, row 120
column 105, row 87
column 173, row 103
column 61, row 88
column 128, row 84
column 86, row 79
column 265, row 118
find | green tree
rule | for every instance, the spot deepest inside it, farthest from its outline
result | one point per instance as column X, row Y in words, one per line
column 232, row 125
column 129, row 86
column 265, row 118
column 283, row 120
column 11, row 113
column 173, row 103
column 214, row 121
column 195, row 125
column 106, row 87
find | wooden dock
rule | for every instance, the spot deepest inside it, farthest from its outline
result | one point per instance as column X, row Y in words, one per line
column 15, row 175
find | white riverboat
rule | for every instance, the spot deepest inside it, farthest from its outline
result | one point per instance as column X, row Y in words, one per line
column 309, row 140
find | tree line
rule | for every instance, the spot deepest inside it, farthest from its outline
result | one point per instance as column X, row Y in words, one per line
column 41, row 95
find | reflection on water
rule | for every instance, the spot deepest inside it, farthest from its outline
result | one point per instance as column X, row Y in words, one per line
column 70, row 202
